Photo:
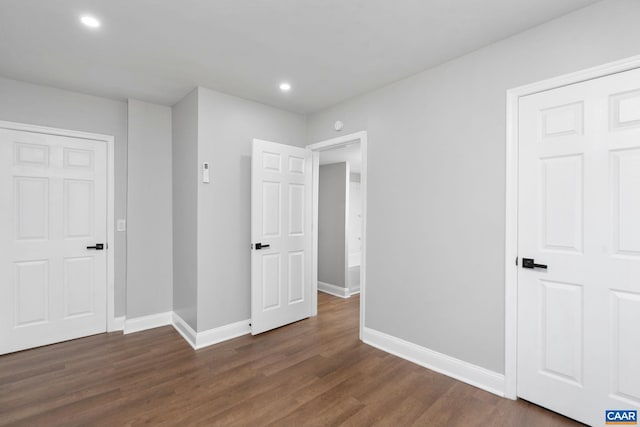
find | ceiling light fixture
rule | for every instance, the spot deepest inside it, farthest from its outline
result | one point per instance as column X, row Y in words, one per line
column 90, row 21
column 285, row 87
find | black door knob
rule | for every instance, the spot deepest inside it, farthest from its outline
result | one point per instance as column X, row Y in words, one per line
column 530, row 263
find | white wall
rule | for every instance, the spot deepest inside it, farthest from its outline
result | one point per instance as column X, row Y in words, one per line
column 185, row 207
column 149, row 224
column 46, row 106
column 436, row 179
column 332, row 204
column 226, row 127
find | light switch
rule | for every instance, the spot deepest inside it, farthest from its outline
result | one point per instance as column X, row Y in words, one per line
column 121, row 225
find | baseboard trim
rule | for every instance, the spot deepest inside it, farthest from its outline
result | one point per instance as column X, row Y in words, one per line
column 476, row 376
column 184, row 329
column 143, row 323
column 222, row 333
column 336, row 291
column 354, row 291
column 117, row 325
column 198, row 340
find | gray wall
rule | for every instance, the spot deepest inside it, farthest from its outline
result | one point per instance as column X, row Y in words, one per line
column 332, row 202
column 227, row 125
column 149, row 235
column 46, row 106
column 185, row 201
column 436, row 184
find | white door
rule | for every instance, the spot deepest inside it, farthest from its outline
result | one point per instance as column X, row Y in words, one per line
column 281, row 235
column 53, row 193
column 579, row 214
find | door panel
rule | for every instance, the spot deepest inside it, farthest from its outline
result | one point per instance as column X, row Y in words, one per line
column 579, row 210
column 53, row 202
column 271, row 281
column 625, row 326
column 78, row 208
column 296, row 209
column 281, row 219
column 562, row 191
column 626, row 201
column 31, row 292
column 31, row 201
column 79, row 286
column 296, row 277
column 562, row 330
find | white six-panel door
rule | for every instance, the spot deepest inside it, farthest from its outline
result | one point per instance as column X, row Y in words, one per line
column 281, row 219
column 53, row 201
column 579, row 214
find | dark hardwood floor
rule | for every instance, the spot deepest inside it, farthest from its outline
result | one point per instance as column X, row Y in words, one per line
column 314, row 372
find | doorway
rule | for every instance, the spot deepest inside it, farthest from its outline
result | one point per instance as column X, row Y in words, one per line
column 330, row 152
column 339, row 221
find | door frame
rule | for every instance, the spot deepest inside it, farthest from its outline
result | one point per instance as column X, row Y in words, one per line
column 316, row 148
column 511, row 206
column 109, row 140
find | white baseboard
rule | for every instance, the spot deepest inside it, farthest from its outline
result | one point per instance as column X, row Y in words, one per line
column 199, row 340
column 184, row 329
column 354, row 291
column 143, row 323
column 336, row 291
column 222, row 333
column 476, row 376
column 117, row 325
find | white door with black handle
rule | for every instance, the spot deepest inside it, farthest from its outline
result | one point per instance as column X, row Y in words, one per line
column 281, row 235
column 579, row 232
column 53, row 229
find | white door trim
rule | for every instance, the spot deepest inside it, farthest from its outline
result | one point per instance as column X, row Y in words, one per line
column 316, row 148
column 109, row 140
column 346, row 225
column 511, row 223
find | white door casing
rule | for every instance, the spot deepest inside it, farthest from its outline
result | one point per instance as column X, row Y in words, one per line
column 579, row 213
column 53, row 192
column 280, row 218
column 316, row 148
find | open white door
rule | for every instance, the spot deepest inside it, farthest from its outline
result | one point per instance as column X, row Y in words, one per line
column 579, row 216
column 281, row 235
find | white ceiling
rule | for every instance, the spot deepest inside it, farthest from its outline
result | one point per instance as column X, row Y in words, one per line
column 329, row 50
column 349, row 153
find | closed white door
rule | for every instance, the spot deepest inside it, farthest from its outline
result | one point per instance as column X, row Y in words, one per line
column 579, row 214
column 281, row 235
column 53, row 193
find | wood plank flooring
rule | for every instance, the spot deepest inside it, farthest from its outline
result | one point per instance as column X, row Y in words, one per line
column 315, row 372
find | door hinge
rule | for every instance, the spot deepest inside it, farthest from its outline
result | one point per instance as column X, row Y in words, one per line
column 516, row 261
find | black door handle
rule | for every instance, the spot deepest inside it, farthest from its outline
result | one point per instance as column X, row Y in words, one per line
column 97, row 247
column 261, row 246
column 530, row 263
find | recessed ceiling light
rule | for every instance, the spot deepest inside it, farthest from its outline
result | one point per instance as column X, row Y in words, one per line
column 90, row 21
column 285, row 87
